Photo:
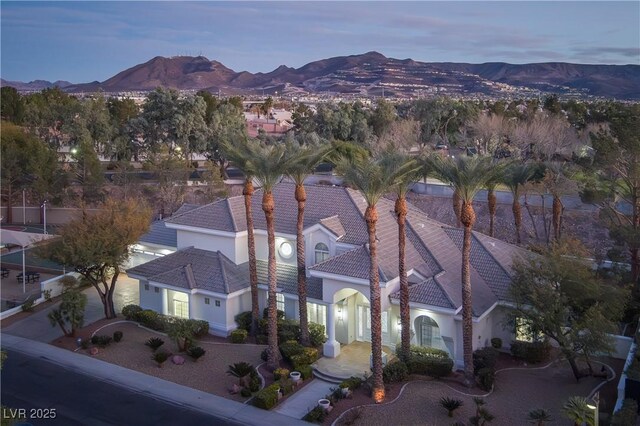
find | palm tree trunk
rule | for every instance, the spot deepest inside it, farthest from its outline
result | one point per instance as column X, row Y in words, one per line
column 517, row 214
column 468, row 218
column 268, row 206
column 371, row 217
column 301, row 198
column 493, row 204
column 251, row 243
column 457, row 206
column 557, row 215
column 405, row 313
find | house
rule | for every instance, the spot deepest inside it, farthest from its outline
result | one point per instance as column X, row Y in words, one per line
column 208, row 276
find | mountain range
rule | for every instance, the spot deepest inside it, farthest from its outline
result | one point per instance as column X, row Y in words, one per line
column 370, row 74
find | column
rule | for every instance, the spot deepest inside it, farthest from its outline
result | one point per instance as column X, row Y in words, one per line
column 165, row 304
column 331, row 348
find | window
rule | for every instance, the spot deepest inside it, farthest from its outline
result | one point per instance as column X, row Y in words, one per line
column 157, row 289
column 217, row 303
column 322, row 252
column 146, row 287
column 428, row 332
column 280, row 301
column 207, row 301
column 317, row 313
column 180, row 308
column 385, row 321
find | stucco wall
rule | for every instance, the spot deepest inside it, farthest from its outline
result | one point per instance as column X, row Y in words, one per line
column 207, row 242
column 149, row 299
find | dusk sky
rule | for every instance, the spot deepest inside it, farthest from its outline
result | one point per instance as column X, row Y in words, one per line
column 86, row 41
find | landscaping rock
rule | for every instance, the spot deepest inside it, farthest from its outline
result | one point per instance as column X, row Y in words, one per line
column 93, row 351
column 177, row 360
column 234, row 389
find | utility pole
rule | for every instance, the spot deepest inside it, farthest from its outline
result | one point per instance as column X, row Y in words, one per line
column 44, row 207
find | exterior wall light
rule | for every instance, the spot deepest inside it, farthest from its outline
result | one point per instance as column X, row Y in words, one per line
column 286, row 250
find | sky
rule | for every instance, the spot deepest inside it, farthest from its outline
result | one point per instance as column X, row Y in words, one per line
column 85, row 41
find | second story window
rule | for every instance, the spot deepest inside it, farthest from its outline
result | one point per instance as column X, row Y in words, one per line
column 322, row 252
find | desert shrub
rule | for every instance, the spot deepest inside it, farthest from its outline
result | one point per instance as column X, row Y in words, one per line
column 243, row 319
column 316, row 334
column 240, row 370
column 627, row 415
column 496, row 343
column 131, row 312
column 151, row 319
column 280, row 314
column 427, row 352
column 245, row 392
column 280, row 373
column 485, row 378
column 263, row 326
column 262, row 339
column 316, row 415
column 450, row 404
column 288, row 329
column 264, row 355
column 484, row 358
column 239, row 335
column 531, row 352
column 154, row 343
column 351, row 383
column 429, row 361
column 306, row 357
column 160, row 357
column 267, row 398
column 27, row 305
column 395, row 372
column 117, row 336
column 254, row 381
column 290, row 348
column 102, row 341
column 286, row 385
column 305, row 371
column 200, row 328
column 196, row 352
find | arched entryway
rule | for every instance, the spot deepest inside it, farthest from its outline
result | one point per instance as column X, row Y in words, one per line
column 428, row 334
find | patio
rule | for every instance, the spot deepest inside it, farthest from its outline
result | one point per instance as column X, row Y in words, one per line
column 353, row 360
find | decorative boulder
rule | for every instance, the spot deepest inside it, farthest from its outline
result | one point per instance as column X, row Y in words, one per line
column 93, row 351
column 234, row 389
column 177, row 360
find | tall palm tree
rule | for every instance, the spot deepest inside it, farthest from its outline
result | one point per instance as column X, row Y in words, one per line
column 268, row 163
column 370, row 177
column 302, row 160
column 557, row 182
column 492, row 201
column 515, row 177
column 402, row 170
column 241, row 155
column 467, row 175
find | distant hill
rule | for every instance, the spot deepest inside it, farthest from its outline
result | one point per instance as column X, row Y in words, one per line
column 372, row 74
column 35, row 85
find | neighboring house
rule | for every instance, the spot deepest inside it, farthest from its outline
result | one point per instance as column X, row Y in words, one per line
column 208, row 277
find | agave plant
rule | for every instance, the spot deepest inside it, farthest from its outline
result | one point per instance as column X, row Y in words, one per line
column 450, row 404
column 196, row 352
column 160, row 357
column 539, row 416
column 240, row 370
column 154, row 343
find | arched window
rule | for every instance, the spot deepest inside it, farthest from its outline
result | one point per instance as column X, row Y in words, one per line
column 428, row 332
column 322, row 252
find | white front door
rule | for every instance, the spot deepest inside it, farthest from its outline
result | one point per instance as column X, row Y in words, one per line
column 364, row 323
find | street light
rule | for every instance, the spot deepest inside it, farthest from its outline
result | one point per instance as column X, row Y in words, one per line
column 44, row 209
column 595, row 407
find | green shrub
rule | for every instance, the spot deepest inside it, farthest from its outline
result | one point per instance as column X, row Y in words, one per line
column 239, row 335
column 317, row 334
column 243, row 319
column 200, row 327
column 262, row 339
column 450, row 404
column 305, row 371
column 290, row 348
column 102, row 341
column 280, row 373
column 254, row 381
column 496, row 343
column 264, row 355
column 306, row 357
column 280, row 314
column 154, row 343
column 267, row 398
column 288, row 329
column 151, row 319
column 627, row 415
column 484, row 358
column 531, row 352
column 196, row 352
column 263, row 327
column 485, row 378
column 245, row 392
column 131, row 312
column 351, row 383
column 117, row 336
column 395, row 372
column 160, row 357
column 429, row 361
column 316, row 415
column 427, row 352
column 286, row 385
column 27, row 305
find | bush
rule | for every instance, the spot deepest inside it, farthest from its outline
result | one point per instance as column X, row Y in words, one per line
column 151, row 319
column 131, row 312
column 280, row 314
column 263, row 326
column 627, row 415
column 27, row 305
column 254, row 381
column 267, row 398
column 306, row 357
column 427, row 352
column 531, row 352
column 485, row 378
column 286, row 385
column 484, row 358
column 200, row 328
column 450, row 404
column 395, row 372
column 154, row 343
column 280, row 373
column 288, row 329
column 429, row 361
column 245, row 392
column 117, row 336
column 262, row 339
column 351, row 383
column 316, row 334
column 160, row 357
column 239, row 335
column 102, row 341
column 305, row 371
column 243, row 319
column 264, row 355
column 496, row 343
column 290, row 348
column 196, row 352
column 316, row 415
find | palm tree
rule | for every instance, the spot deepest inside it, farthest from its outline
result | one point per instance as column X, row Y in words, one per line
column 539, row 416
column 467, row 175
column 577, row 409
column 268, row 163
column 403, row 170
column 515, row 177
column 492, row 202
column 240, row 155
column 302, row 160
column 557, row 182
column 370, row 177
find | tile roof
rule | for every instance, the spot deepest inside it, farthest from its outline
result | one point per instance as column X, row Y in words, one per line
column 161, row 235
column 427, row 292
column 353, row 263
column 288, row 279
column 334, row 225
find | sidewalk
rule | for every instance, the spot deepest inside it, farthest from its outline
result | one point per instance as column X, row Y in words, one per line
column 141, row 383
column 306, row 399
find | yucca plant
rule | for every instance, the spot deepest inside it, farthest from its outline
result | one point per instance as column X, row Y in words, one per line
column 539, row 416
column 450, row 404
column 160, row 357
column 196, row 352
column 154, row 343
column 240, row 370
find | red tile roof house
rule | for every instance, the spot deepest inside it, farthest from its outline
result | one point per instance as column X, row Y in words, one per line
column 208, row 277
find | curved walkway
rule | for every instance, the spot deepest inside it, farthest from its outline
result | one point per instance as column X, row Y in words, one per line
column 517, row 390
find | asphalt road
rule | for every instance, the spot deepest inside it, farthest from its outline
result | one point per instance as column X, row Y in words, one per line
column 44, row 389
